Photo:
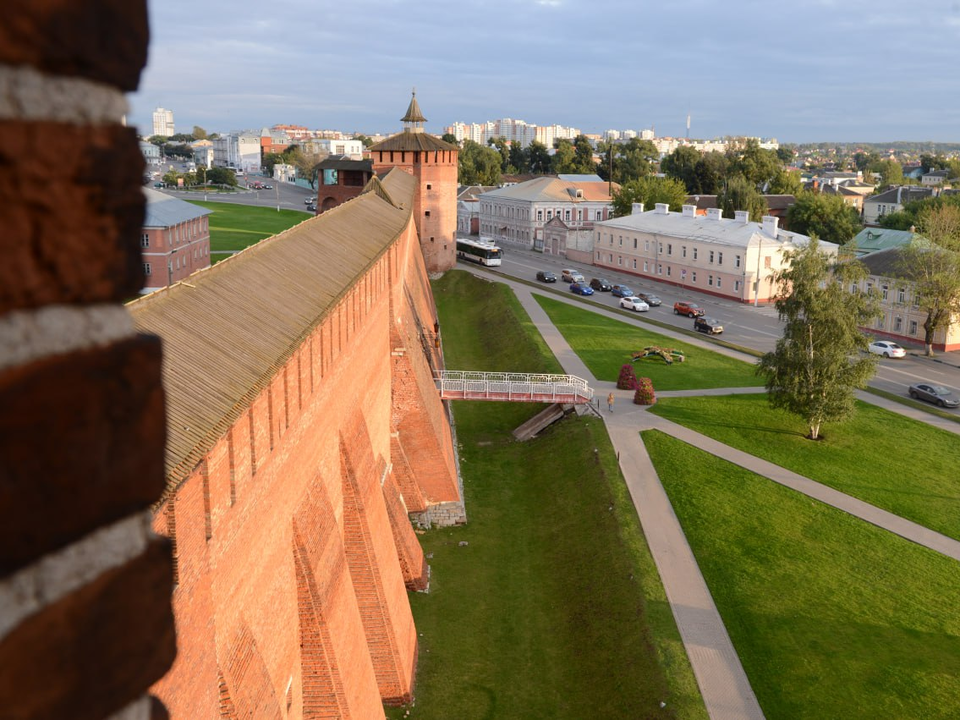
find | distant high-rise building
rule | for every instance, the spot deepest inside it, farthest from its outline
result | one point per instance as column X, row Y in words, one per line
column 163, row 122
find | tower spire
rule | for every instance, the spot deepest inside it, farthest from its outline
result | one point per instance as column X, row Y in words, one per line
column 413, row 121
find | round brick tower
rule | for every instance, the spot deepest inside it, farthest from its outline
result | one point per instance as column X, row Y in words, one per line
column 434, row 163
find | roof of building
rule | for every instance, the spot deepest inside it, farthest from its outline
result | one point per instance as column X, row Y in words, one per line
column 901, row 195
column 413, row 113
column 578, row 178
column 344, row 162
column 774, row 202
column 872, row 239
column 164, row 211
column 472, row 193
column 702, row 228
column 228, row 330
column 888, row 263
column 412, row 141
column 554, row 188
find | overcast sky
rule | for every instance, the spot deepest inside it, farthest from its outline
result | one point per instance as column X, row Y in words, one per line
column 800, row 70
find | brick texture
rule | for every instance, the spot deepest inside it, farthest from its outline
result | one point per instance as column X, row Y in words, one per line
column 102, row 40
column 88, row 424
column 93, row 652
column 77, row 229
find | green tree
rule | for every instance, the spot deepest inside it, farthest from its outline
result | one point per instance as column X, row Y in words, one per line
column 502, row 146
column 221, row 176
column 864, row 160
column 519, row 159
column 305, row 163
column 681, row 164
column 450, row 138
column 754, row 163
column 785, row 182
column 634, row 159
column 826, row 216
column 479, row 165
column 367, row 142
column 181, row 138
column 583, row 155
column 741, row 194
column 564, row 157
column 890, row 172
column 817, row 364
column 648, row 190
column 710, row 173
column 157, row 140
column 270, row 159
column 934, row 273
column 199, row 133
column 539, row 158
column 786, row 154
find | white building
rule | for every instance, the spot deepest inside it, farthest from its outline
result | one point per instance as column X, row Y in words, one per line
column 351, row 148
column 517, row 214
column 163, row 122
column 238, row 150
column 708, row 253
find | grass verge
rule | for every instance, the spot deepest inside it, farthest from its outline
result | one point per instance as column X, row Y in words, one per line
column 547, row 603
column 235, row 227
column 831, row 616
column 893, row 462
column 605, row 345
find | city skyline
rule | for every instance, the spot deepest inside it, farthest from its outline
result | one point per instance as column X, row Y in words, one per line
column 827, row 72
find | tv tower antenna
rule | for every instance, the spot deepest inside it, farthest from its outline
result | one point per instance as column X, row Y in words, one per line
column 688, row 126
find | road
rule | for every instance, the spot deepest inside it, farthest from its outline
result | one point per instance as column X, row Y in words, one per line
column 287, row 196
column 756, row 328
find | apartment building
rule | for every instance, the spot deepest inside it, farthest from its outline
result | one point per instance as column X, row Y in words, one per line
column 174, row 241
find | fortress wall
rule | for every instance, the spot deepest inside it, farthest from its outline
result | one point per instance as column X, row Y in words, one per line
column 86, row 624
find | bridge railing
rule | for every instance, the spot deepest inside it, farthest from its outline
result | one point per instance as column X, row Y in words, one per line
column 517, row 387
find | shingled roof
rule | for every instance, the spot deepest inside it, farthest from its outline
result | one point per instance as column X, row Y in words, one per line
column 228, row 329
column 407, row 141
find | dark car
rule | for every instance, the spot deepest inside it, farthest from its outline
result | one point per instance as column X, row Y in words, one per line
column 621, row 291
column 687, row 308
column 581, row 289
column 936, row 394
column 708, row 325
column 651, row 300
column 600, row 284
column 268, row 187
column 546, row 276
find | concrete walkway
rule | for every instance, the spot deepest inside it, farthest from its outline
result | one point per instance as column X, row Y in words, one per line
column 723, row 683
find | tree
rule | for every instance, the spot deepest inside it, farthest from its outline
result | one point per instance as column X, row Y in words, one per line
column 634, row 159
column 221, row 176
column 564, row 157
column 519, row 162
column 538, row 158
column 710, row 173
column 818, row 363
column 270, row 159
column 890, row 172
column 786, row 153
column 305, row 163
column 934, row 273
column 199, row 133
column 649, row 191
column 785, row 182
column 741, row 194
column 864, row 160
column 681, row 164
column 826, row 216
column 367, row 142
column 754, row 163
column 479, row 165
column 583, row 155
column 450, row 138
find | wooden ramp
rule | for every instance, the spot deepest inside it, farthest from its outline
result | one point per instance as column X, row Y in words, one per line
column 538, row 422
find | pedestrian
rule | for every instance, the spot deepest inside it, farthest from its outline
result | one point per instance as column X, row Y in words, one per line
column 610, row 399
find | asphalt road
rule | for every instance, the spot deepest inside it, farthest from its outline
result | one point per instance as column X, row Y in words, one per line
column 752, row 327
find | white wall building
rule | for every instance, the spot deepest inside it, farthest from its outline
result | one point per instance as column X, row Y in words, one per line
column 163, row 122
column 709, row 253
column 238, row 150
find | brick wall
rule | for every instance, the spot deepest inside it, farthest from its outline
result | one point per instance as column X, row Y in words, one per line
column 85, row 617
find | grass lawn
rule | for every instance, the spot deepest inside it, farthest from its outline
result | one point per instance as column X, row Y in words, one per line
column 605, row 345
column 831, row 616
column 235, row 227
column 893, row 462
column 552, row 607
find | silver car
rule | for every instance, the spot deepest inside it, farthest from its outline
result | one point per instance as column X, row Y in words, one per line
column 936, row 394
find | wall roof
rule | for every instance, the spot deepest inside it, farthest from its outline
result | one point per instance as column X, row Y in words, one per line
column 164, row 211
column 228, row 329
column 549, row 188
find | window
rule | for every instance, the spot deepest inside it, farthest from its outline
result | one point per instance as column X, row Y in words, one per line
column 621, row 240
column 766, row 262
column 719, row 258
column 710, row 280
column 659, row 269
column 736, row 286
column 610, row 258
column 549, row 214
column 611, row 239
column 634, row 263
column 737, row 262
column 634, row 243
column 146, row 268
column 694, row 253
column 427, row 213
column 619, row 259
column 916, row 299
column 599, row 215
column 901, row 295
column 683, row 251
column 661, row 248
column 669, row 249
column 579, row 215
column 898, row 324
column 539, row 215
column 718, row 281
column 693, row 276
column 884, row 291
column 913, row 327
column 144, row 240
column 646, row 267
column 711, row 256
column 646, row 245
column 668, row 271
column 566, row 215
column 429, row 186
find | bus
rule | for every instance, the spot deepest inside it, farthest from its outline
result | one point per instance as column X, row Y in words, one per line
column 478, row 251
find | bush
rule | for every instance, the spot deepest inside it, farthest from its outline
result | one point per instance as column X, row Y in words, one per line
column 627, row 379
column 644, row 394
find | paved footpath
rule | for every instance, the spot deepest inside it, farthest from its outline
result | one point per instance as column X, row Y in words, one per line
column 723, row 683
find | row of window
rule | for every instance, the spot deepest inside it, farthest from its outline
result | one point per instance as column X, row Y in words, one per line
column 178, row 234
column 885, row 294
column 714, row 256
column 712, row 281
column 897, row 325
column 520, row 213
column 197, row 254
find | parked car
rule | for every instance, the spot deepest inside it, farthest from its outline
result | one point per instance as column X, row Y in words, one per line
column 571, row 276
column 268, row 187
column 310, row 201
column 580, row 289
column 936, row 394
column 887, row 349
column 622, row 291
column 600, row 284
column 708, row 325
column 687, row 308
column 546, row 276
column 651, row 300
column 632, row 302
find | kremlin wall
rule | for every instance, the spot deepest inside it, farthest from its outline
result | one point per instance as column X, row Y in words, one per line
column 209, row 491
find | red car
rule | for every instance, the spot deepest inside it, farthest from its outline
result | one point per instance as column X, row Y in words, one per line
column 687, row 308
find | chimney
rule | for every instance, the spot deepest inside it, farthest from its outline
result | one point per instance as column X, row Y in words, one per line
column 636, row 209
column 770, row 224
column 714, row 214
column 689, row 210
column 741, row 216
column 662, row 209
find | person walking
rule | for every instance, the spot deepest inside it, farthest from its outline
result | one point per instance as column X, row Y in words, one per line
column 610, row 400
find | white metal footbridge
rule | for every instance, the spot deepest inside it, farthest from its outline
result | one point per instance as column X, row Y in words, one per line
column 512, row 387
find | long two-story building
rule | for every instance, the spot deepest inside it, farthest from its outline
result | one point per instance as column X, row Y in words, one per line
column 735, row 259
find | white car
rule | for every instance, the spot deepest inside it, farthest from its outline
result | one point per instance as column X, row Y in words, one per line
column 634, row 303
column 570, row 276
column 887, row 349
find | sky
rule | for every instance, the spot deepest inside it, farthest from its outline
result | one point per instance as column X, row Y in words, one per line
column 796, row 70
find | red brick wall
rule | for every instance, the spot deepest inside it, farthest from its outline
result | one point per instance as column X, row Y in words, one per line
column 292, row 580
